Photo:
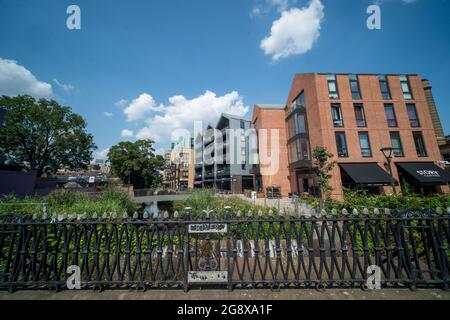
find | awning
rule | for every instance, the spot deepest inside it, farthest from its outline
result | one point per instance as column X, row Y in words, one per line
column 425, row 172
column 366, row 173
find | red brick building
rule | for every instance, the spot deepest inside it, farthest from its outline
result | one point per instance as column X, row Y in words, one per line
column 269, row 120
column 354, row 116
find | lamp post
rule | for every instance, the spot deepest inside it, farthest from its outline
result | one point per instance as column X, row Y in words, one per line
column 387, row 152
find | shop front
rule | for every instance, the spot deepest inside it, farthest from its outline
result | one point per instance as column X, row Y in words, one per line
column 369, row 177
column 423, row 177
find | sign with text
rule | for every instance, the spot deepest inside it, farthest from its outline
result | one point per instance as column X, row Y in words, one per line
column 208, row 228
column 207, row 276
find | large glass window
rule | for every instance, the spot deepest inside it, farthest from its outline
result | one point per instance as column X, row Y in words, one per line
column 341, row 145
column 299, row 150
column 336, row 114
column 354, row 87
column 420, row 144
column 407, row 95
column 412, row 115
column 384, row 87
column 390, row 115
column 360, row 116
column 300, row 101
column 396, row 144
column 364, row 144
column 332, row 87
column 296, row 125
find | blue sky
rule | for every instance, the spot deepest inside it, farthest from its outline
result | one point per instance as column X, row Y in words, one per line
column 144, row 68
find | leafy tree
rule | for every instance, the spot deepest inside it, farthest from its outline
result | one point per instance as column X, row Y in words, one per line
column 324, row 166
column 41, row 134
column 136, row 163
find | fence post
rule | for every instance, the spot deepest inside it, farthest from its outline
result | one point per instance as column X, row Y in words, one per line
column 187, row 257
column 228, row 242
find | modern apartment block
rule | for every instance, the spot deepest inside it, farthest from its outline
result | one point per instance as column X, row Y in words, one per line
column 179, row 170
column 354, row 116
column 269, row 120
column 222, row 156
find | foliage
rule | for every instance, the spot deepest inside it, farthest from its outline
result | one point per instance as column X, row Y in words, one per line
column 405, row 200
column 65, row 201
column 43, row 135
column 205, row 199
column 322, row 157
column 136, row 163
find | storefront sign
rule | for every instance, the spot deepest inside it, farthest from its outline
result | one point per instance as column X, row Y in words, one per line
column 428, row 173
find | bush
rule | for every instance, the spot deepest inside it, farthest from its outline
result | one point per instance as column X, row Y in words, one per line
column 406, row 200
column 206, row 199
column 65, row 201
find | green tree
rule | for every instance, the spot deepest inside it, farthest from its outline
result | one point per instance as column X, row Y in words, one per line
column 136, row 163
column 324, row 166
column 41, row 134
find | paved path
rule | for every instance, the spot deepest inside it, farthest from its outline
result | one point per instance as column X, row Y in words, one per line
column 260, row 294
column 161, row 198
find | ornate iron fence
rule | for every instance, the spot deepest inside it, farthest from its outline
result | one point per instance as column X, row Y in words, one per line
column 325, row 250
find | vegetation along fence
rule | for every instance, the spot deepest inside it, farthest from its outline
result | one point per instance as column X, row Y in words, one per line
column 278, row 250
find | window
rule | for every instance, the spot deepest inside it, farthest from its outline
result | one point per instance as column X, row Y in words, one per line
column 360, row 116
column 406, row 88
column 390, row 115
column 296, row 125
column 332, row 87
column 336, row 114
column 299, row 102
column 364, row 144
column 384, row 87
column 354, row 87
column 420, row 144
column 396, row 144
column 341, row 144
column 242, row 124
column 412, row 114
column 298, row 150
column 299, row 120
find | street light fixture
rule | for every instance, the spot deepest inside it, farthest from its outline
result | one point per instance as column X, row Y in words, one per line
column 387, row 152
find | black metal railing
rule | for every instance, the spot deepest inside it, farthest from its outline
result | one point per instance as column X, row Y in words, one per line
column 325, row 250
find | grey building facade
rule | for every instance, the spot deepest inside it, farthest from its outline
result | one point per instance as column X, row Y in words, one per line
column 222, row 156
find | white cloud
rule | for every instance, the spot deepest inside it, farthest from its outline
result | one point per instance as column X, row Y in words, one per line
column 267, row 6
column 181, row 113
column 102, row 154
column 121, row 103
column 64, row 87
column 281, row 5
column 295, row 32
column 127, row 133
column 108, row 114
column 16, row 79
column 141, row 107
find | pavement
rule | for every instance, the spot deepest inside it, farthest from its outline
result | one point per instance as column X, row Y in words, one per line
column 214, row 294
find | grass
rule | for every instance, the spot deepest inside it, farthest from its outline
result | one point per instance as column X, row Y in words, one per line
column 64, row 201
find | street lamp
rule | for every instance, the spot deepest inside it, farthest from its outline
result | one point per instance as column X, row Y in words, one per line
column 387, row 152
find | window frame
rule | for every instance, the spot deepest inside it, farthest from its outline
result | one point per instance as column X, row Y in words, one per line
column 391, row 133
column 353, row 78
column 420, row 134
column 331, row 78
column 366, row 133
column 363, row 113
column 384, row 79
column 394, row 114
column 404, row 80
column 338, row 107
column 340, row 155
column 413, row 105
